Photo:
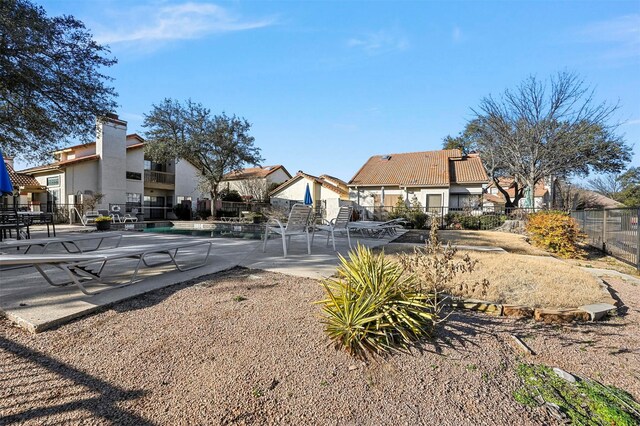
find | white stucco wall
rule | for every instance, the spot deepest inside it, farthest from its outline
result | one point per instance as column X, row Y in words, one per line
column 278, row 176
column 135, row 163
column 111, row 147
column 187, row 179
column 82, row 177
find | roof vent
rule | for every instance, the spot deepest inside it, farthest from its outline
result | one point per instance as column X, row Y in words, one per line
column 386, row 157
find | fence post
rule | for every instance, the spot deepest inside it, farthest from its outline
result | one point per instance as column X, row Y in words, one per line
column 604, row 230
column 637, row 240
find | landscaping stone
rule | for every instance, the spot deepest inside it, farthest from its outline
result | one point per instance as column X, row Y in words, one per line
column 598, row 311
column 564, row 375
column 517, row 311
column 556, row 316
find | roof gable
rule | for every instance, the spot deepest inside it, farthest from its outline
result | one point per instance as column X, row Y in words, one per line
column 426, row 168
column 255, row 172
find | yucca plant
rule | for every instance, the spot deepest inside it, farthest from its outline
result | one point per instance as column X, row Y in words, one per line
column 372, row 307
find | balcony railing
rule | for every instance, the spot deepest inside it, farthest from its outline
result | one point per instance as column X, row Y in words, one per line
column 152, row 177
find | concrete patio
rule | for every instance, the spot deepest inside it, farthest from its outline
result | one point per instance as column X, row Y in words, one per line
column 27, row 299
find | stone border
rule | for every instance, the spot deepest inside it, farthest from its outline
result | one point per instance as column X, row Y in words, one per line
column 585, row 313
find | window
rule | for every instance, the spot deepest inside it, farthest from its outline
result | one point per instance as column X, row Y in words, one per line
column 180, row 199
column 133, row 197
column 434, row 202
column 53, row 181
column 134, row 201
column 464, row 201
column 134, row 176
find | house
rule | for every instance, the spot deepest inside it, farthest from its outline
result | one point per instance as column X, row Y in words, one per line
column 438, row 180
column 115, row 165
column 327, row 192
column 25, row 186
column 254, row 183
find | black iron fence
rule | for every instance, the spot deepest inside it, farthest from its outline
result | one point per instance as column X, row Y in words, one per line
column 614, row 231
column 480, row 218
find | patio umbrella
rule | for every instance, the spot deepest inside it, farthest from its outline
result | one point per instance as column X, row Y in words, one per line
column 307, row 196
column 5, row 181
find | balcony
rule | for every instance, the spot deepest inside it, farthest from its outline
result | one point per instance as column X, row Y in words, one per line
column 159, row 180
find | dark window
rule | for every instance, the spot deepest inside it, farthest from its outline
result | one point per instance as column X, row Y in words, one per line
column 53, row 181
column 134, row 176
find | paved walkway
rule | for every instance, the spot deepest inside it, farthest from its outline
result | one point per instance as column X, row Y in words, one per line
column 29, row 301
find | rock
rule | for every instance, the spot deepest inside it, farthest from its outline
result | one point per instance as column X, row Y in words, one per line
column 598, row 311
column 352, row 367
column 517, row 311
column 556, row 316
column 564, row 375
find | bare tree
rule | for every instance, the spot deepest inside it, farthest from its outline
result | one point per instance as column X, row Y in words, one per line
column 257, row 189
column 608, row 185
column 546, row 129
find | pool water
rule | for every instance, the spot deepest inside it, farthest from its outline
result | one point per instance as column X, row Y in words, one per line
column 213, row 233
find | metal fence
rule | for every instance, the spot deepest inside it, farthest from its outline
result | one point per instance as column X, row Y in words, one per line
column 479, row 218
column 614, row 231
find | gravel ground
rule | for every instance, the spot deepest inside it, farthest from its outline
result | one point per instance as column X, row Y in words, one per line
column 197, row 353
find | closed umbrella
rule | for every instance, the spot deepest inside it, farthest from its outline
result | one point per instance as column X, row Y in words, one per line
column 5, row 181
column 307, row 197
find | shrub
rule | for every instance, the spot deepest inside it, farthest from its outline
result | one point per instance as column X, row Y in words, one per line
column 434, row 268
column 103, row 219
column 556, row 232
column 371, row 307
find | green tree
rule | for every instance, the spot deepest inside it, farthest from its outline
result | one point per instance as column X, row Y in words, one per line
column 465, row 141
column 630, row 193
column 215, row 144
column 51, row 82
column 546, row 129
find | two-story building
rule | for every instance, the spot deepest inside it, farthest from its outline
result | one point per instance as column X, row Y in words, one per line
column 115, row 165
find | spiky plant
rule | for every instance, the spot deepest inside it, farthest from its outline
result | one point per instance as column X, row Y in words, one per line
column 372, row 307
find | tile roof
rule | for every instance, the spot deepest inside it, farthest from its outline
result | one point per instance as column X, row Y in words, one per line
column 22, row 180
column 467, row 170
column 60, row 164
column 426, row 168
column 254, row 172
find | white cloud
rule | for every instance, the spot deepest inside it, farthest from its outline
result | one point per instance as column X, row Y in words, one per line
column 633, row 122
column 176, row 22
column 380, row 42
column 620, row 35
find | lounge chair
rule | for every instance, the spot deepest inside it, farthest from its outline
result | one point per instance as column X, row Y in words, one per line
column 297, row 224
column 377, row 229
column 132, row 217
column 89, row 217
column 67, row 242
column 340, row 223
column 79, row 267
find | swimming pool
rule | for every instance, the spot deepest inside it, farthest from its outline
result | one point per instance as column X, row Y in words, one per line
column 213, row 233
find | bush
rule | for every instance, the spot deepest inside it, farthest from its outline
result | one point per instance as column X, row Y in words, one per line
column 231, row 195
column 556, row 232
column 183, row 212
column 372, row 308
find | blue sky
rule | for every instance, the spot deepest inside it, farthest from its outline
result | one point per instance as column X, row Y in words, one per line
column 328, row 84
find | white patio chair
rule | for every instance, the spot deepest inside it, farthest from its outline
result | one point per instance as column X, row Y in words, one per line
column 297, row 224
column 130, row 216
column 340, row 223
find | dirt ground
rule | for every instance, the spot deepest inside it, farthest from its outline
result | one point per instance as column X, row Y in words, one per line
column 247, row 347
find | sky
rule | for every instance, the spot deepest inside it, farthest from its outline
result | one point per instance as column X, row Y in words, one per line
column 327, row 84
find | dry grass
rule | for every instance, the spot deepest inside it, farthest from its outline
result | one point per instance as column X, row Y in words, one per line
column 513, row 243
column 534, row 281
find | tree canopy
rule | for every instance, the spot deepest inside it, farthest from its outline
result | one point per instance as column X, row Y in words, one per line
column 623, row 187
column 546, row 129
column 51, row 82
column 215, row 144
